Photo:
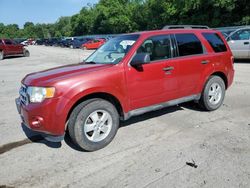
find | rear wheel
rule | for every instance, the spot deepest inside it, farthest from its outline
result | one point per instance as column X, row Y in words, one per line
column 213, row 93
column 93, row 124
column 1, row 55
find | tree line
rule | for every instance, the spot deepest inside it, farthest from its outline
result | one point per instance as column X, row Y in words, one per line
column 123, row 16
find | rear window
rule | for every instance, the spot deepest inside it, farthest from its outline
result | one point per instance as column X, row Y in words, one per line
column 188, row 44
column 215, row 42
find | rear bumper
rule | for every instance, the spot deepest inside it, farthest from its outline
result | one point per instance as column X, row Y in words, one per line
column 43, row 117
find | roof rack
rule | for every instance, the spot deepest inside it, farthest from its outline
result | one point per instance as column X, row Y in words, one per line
column 185, row 27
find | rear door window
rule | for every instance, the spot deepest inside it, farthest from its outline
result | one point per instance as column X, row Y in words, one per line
column 158, row 47
column 188, row 44
column 215, row 42
column 8, row 42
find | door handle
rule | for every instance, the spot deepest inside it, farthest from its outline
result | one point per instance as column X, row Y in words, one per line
column 204, row 62
column 168, row 68
column 246, row 43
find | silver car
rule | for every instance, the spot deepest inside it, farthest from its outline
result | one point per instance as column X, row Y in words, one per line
column 239, row 42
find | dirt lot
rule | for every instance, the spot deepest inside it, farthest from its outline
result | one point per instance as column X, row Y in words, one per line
column 148, row 151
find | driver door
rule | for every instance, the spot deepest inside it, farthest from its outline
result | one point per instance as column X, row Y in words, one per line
column 147, row 84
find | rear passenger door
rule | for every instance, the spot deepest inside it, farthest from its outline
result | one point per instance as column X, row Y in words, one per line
column 10, row 49
column 192, row 60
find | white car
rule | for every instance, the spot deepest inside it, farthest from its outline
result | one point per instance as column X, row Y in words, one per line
column 239, row 42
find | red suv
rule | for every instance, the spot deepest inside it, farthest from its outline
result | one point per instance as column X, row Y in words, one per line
column 129, row 75
column 10, row 48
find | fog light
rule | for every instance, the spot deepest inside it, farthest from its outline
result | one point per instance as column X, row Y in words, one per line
column 37, row 122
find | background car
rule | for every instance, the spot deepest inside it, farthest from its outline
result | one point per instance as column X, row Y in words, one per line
column 9, row 47
column 239, row 42
column 66, row 42
column 78, row 42
column 93, row 44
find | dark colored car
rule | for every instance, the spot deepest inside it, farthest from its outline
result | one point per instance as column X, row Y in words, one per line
column 52, row 42
column 66, row 42
column 40, row 42
column 11, row 48
column 129, row 75
column 78, row 42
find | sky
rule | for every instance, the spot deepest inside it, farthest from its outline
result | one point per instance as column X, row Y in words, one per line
column 38, row 11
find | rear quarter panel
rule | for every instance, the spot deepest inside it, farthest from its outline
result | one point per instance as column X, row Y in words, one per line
column 219, row 62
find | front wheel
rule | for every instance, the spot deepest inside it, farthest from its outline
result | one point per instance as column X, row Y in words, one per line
column 213, row 93
column 93, row 124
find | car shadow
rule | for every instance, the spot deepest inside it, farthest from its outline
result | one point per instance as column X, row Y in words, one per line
column 37, row 137
column 242, row 61
column 13, row 57
column 161, row 112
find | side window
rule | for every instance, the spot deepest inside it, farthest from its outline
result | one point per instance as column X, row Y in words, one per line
column 215, row 42
column 1, row 42
column 158, row 47
column 188, row 44
column 241, row 35
column 8, row 42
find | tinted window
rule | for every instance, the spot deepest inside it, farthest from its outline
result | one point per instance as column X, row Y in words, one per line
column 1, row 42
column 157, row 47
column 215, row 41
column 8, row 42
column 241, row 35
column 188, row 44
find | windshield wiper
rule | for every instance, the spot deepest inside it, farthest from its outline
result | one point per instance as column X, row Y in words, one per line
column 90, row 62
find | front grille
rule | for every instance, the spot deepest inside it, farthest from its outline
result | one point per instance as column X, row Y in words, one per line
column 23, row 95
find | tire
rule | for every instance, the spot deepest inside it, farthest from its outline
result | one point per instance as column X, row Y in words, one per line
column 86, row 128
column 1, row 55
column 26, row 53
column 213, row 93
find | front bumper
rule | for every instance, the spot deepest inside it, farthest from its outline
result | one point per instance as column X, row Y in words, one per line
column 42, row 118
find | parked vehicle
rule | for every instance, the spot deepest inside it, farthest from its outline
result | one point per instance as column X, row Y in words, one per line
column 52, row 42
column 93, row 44
column 239, row 42
column 66, row 42
column 10, row 48
column 78, row 42
column 129, row 75
column 28, row 42
column 40, row 42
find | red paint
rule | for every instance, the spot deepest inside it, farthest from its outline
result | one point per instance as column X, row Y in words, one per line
column 133, row 89
column 94, row 44
column 10, row 49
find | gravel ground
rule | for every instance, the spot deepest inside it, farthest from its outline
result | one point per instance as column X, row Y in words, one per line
column 151, row 150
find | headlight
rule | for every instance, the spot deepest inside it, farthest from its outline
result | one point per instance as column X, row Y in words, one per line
column 38, row 94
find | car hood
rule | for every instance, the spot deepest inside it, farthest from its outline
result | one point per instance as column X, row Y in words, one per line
column 51, row 76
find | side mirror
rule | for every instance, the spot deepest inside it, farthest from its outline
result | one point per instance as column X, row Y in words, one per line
column 228, row 39
column 139, row 59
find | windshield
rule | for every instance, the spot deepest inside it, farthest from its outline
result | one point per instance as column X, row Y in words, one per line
column 113, row 51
